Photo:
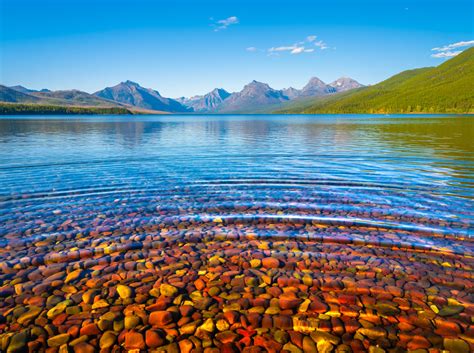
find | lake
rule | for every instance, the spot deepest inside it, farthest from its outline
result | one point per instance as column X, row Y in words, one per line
column 237, row 233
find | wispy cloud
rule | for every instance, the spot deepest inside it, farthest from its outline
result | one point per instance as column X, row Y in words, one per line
column 447, row 50
column 299, row 47
column 251, row 49
column 446, row 54
column 223, row 24
column 321, row 45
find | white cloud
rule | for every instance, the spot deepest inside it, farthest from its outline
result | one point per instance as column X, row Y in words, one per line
column 446, row 54
column 321, row 45
column 287, row 48
column 297, row 50
column 299, row 47
column 223, row 24
column 455, row 45
column 251, row 49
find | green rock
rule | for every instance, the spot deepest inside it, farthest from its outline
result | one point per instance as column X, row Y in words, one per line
column 58, row 340
column 168, row 290
column 108, row 339
column 37, row 331
column 344, row 348
column 131, row 322
column 451, row 310
column 73, row 310
column 281, row 336
column 78, row 340
column 386, row 309
column 53, row 300
column 31, row 314
column 58, row 309
column 118, row 325
column 213, row 291
column 18, row 342
column 290, row 347
column 456, row 345
column 104, row 324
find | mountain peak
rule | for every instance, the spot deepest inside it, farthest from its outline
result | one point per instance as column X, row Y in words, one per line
column 316, row 87
column 132, row 93
column 130, row 83
column 345, row 83
column 257, row 85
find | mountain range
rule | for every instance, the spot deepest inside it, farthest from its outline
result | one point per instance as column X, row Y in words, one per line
column 255, row 96
column 447, row 88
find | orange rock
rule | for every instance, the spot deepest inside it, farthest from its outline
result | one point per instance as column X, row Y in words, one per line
column 185, row 346
column 153, row 339
column 270, row 262
column 134, row 340
column 160, row 318
column 418, row 342
column 89, row 330
column 84, row 347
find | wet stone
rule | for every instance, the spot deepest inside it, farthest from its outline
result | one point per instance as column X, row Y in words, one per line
column 451, row 310
column 58, row 340
column 455, row 345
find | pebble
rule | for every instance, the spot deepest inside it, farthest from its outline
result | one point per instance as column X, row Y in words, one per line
column 58, row 340
column 160, row 318
column 124, row 292
column 182, row 284
column 108, row 339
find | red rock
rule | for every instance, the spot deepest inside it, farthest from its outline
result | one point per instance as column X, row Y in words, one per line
column 73, row 331
column 134, row 340
column 231, row 316
column 269, row 344
column 153, row 339
column 199, row 284
column 160, row 318
column 418, row 342
column 84, row 347
column 270, row 262
column 226, row 337
column 289, row 303
column 346, row 299
column 89, row 330
column 296, row 338
column 161, row 304
column 186, row 310
column 228, row 348
column 59, row 320
column 318, row 306
column 185, row 346
column 283, row 322
column 446, row 328
column 267, row 322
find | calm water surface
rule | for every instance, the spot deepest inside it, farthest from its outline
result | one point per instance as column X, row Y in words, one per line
column 238, row 233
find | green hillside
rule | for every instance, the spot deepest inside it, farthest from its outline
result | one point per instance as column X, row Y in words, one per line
column 447, row 88
column 39, row 109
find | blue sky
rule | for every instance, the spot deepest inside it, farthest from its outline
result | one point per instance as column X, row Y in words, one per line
column 183, row 48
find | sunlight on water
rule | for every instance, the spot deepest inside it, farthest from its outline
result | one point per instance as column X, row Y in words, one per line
column 233, row 232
